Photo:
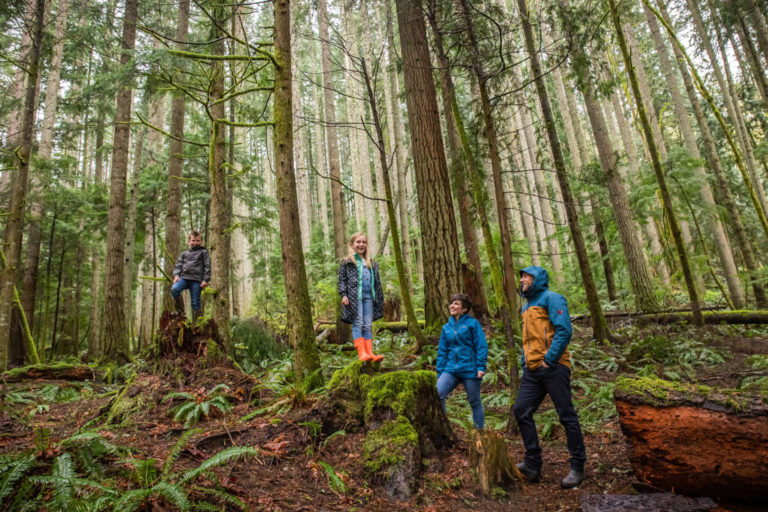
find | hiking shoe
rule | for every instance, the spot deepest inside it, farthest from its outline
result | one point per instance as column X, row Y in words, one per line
column 533, row 475
column 572, row 479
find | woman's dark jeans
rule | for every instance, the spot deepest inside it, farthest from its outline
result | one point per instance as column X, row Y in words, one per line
column 555, row 380
column 447, row 382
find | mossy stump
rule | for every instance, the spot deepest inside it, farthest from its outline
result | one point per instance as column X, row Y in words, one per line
column 695, row 439
column 392, row 457
column 177, row 335
column 490, row 459
column 401, row 414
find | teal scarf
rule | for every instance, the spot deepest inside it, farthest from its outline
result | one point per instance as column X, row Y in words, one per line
column 359, row 261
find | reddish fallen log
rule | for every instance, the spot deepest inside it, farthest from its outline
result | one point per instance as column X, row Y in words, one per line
column 695, row 440
column 63, row 371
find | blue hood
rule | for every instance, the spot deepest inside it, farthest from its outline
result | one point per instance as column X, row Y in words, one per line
column 540, row 281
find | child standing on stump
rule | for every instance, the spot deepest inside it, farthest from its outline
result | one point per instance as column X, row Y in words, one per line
column 192, row 271
column 361, row 295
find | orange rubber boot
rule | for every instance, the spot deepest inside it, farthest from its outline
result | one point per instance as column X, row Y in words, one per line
column 362, row 353
column 369, row 349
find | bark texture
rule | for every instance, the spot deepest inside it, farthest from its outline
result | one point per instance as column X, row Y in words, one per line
column 442, row 270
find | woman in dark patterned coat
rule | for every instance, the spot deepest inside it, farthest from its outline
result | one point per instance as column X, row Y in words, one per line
column 362, row 296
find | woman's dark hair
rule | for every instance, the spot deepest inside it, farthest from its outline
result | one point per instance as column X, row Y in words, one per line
column 466, row 302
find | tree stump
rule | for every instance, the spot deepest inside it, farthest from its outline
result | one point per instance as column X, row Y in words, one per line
column 392, row 309
column 489, row 457
column 402, row 417
column 695, row 439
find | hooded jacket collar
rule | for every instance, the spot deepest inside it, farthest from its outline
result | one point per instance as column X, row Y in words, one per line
column 540, row 281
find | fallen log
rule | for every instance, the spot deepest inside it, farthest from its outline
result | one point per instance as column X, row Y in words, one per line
column 63, row 371
column 656, row 502
column 742, row 317
column 695, row 439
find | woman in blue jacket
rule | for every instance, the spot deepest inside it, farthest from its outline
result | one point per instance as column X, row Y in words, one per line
column 461, row 356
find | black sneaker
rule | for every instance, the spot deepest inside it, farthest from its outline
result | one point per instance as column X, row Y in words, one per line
column 533, row 475
column 572, row 479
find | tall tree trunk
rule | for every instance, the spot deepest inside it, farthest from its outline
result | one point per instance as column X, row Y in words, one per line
column 318, row 156
column 302, row 339
column 656, row 162
column 217, row 174
column 733, row 216
column 716, row 228
column 639, row 275
column 442, row 269
column 302, row 176
column 410, row 313
column 36, row 211
column 95, row 345
column 175, row 164
column 130, row 231
column 402, row 148
column 115, row 338
column 653, row 237
column 509, row 306
column 14, row 227
column 343, row 330
column 743, row 147
column 460, row 173
column 599, row 325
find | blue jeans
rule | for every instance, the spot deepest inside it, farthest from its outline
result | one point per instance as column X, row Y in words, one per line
column 555, row 380
column 194, row 291
column 361, row 327
column 447, row 382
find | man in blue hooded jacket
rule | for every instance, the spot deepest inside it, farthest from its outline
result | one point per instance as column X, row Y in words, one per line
column 546, row 370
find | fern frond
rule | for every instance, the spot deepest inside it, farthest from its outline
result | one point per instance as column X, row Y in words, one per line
column 183, row 411
column 337, row 484
column 131, row 500
column 337, row 433
column 63, row 474
column 218, row 389
column 222, row 495
column 12, row 469
column 205, row 408
column 172, row 493
column 219, row 459
column 176, row 450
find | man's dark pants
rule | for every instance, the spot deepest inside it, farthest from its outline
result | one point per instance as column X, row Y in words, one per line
column 555, row 381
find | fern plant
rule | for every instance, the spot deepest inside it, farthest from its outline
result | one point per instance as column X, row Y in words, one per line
column 199, row 406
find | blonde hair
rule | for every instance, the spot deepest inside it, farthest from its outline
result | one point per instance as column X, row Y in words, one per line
column 366, row 256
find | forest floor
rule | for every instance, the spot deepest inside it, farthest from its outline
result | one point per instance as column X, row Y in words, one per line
column 299, row 469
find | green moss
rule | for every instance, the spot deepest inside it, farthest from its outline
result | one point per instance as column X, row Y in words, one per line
column 663, row 393
column 352, row 376
column 385, row 448
column 398, row 391
column 123, row 407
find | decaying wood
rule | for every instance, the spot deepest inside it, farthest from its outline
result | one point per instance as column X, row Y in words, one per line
column 695, row 440
column 489, row 457
column 54, row 371
column 669, row 317
column 657, row 502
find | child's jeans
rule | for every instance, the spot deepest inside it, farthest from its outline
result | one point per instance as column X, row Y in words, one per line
column 361, row 327
column 194, row 291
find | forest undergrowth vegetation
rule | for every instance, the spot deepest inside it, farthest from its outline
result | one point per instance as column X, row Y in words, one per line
column 53, row 459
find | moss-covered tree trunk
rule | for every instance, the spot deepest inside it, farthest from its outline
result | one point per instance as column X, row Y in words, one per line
column 666, row 198
column 599, row 326
column 410, row 313
column 15, row 224
column 299, row 314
